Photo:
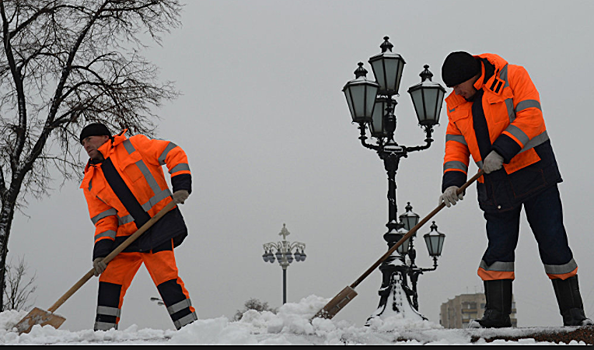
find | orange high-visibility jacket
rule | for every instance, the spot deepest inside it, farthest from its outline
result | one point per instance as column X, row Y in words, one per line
column 516, row 130
column 129, row 187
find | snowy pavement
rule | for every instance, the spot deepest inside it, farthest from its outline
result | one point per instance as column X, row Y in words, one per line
column 290, row 325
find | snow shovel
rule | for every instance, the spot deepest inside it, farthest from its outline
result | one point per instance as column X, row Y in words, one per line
column 41, row 317
column 348, row 293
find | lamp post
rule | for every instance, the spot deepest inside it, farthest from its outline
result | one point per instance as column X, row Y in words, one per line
column 159, row 301
column 372, row 105
column 283, row 251
column 433, row 240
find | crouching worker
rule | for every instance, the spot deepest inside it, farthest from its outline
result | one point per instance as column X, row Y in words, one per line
column 124, row 186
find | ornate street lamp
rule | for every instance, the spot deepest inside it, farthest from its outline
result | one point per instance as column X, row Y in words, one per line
column 405, row 246
column 409, row 219
column 376, row 126
column 427, row 98
column 284, row 255
column 387, row 68
column 434, row 241
column 360, row 94
column 380, row 119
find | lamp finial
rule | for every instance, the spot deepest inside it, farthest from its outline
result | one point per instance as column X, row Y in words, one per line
column 360, row 72
column 386, row 45
column 426, row 74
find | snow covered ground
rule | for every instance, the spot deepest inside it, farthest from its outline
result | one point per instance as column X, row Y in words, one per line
column 289, row 326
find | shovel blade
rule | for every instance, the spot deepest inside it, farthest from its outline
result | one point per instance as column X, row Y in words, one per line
column 40, row 317
column 337, row 303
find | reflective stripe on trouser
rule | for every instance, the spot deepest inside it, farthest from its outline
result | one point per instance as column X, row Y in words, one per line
column 545, row 216
column 120, row 272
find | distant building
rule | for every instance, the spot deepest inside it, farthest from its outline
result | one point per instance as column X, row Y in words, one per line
column 457, row 312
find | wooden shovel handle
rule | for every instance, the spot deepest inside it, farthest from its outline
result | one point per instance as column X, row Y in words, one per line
column 112, row 255
column 413, row 230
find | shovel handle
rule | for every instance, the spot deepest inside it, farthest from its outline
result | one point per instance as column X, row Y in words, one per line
column 413, row 230
column 112, row 255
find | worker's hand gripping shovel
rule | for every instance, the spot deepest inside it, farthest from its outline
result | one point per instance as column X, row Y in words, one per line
column 41, row 317
column 348, row 293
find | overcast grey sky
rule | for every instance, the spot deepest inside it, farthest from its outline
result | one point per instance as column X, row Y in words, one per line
column 269, row 139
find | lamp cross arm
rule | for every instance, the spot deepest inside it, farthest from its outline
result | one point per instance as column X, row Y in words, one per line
column 427, row 269
column 271, row 245
column 297, row 245
column 363, row 138
column 428, row 141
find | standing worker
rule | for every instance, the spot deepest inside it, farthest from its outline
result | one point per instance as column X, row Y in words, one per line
column 495, row 115
column 124, row 187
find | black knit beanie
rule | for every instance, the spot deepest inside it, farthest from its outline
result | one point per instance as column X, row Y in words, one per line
column 458, row 67
column 95, row 129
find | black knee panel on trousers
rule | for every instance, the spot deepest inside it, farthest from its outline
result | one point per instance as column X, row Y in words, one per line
column 109, row 295
column 172, row 293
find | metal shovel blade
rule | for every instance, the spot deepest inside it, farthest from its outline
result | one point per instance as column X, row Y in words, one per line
column 337, row 303
column 40, row 317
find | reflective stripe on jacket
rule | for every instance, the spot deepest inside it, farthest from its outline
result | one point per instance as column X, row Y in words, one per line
column 129, row 187
column 509, row 103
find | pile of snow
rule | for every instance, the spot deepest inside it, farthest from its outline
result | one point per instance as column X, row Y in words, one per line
column 290, row 325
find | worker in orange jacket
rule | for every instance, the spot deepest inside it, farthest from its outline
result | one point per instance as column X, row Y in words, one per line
column 124, row 186
column 495, row 116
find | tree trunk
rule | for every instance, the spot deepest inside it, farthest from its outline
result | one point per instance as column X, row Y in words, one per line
column 6, row 217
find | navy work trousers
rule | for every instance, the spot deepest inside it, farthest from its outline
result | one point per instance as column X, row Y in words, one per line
column 545, row 216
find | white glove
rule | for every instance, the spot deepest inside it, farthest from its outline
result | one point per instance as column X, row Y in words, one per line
column 493, row 161
column 449, row 196
column 180, row 196
column 99, row 266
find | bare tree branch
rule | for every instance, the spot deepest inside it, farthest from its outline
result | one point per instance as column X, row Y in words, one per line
column 18, row 289
column 64, row 64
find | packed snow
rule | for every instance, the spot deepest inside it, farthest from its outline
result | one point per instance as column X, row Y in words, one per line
column 290, row 325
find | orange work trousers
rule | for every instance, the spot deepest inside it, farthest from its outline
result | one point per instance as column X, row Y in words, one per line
column 117, row 277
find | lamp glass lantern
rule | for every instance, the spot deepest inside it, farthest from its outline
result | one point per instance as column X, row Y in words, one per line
column 360, row 94
column 376, row 125
column 387, row 68
column 405, row 246
column 427, row 98
column 434, row 241
column 409, row 219
column 303, row 256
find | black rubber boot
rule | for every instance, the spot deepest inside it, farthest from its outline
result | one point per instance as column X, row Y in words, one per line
column 499, row 302
column 570, row 302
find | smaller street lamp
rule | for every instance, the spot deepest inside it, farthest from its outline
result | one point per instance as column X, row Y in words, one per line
column 409, row 218
column 405, row 246
column 159, row 301
column 284, row 255
column 434, row 241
